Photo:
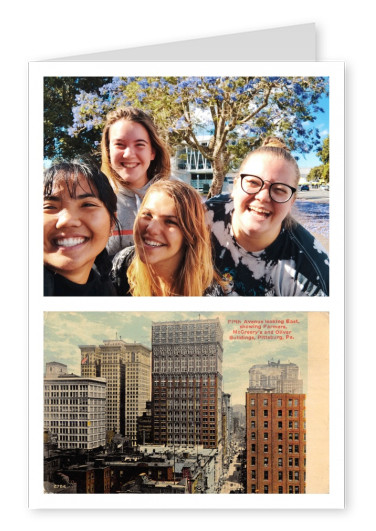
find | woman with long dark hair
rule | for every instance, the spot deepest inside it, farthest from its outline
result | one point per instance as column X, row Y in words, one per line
column 79, row 214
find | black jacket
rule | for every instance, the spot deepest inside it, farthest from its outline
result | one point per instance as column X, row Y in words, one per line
column 59, row 286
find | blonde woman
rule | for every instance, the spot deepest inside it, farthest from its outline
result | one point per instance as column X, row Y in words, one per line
column 259, row 248
column 134, row 156
column 172, row 255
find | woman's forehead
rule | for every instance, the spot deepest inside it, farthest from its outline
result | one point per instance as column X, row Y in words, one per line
column 159, row 198
column 266, row 165
column 73, row 184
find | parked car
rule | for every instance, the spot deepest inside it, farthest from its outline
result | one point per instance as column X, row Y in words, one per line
column 304, row 188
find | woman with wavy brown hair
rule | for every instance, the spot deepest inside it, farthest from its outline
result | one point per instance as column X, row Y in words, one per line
column 134, row 156
column 172, row 255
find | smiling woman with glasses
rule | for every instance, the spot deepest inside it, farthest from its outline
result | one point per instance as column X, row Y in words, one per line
column 259, row 248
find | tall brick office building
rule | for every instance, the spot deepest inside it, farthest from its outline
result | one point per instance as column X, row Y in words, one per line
column 187, row 382
column 276, row 441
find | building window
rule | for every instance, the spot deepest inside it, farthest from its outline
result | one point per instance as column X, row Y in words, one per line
column 265, row 402
column 266, row 474
column 266, row 489
column 280, row 476
column 266, row 412
column 266, row 448
column 280, row 461
column 280, row 412
column 280, row 490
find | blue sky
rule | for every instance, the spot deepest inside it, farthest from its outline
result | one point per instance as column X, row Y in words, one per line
column 91, row 328
column 311, row 160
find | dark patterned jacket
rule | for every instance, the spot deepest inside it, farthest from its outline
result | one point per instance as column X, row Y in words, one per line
column 295, row 264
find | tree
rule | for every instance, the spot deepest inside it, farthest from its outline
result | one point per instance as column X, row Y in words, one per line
column 237, row 112
column 59, row 98
column 321, row 173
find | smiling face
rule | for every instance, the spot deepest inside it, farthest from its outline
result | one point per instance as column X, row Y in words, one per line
column 158, row 236
column 131, row 152
column 76, row 230
column 257, row 220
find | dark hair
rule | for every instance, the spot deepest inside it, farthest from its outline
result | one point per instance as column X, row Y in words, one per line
column 69, row 172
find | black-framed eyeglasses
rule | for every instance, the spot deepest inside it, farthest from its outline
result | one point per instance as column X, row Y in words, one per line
column 278, row 192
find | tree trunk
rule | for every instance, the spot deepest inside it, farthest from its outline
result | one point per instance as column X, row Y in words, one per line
column 220, row 167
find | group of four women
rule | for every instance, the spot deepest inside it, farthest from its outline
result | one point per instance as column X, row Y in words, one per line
column 132, row 229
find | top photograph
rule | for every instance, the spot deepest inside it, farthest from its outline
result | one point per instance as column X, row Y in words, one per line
column 186, row 186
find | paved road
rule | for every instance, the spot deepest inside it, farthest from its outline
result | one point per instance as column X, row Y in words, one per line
column 315, row 196
column 232, row 481
column 311, row 209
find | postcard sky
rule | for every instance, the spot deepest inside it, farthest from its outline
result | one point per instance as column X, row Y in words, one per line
column 65, row 331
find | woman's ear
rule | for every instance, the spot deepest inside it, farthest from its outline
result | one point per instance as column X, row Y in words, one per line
column 233, row 187
column 113, row 223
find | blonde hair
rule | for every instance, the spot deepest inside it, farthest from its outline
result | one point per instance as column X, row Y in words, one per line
column 274, row 147
column 159, row 168
column 196, row 272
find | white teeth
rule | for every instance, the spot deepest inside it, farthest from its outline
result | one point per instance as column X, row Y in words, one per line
column 260, row 211
column 153, row 244
column 130, row 165
column 69, row 242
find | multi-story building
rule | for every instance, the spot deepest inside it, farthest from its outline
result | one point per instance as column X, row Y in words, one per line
column 189, row 165
column 187, row 382
column 127, row 370
column 55, row 369
column 280, row 377
column 75, row 410
column 276, row 442
column 226, row 425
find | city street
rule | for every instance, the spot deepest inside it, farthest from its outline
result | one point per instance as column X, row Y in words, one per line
column 232, row 478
